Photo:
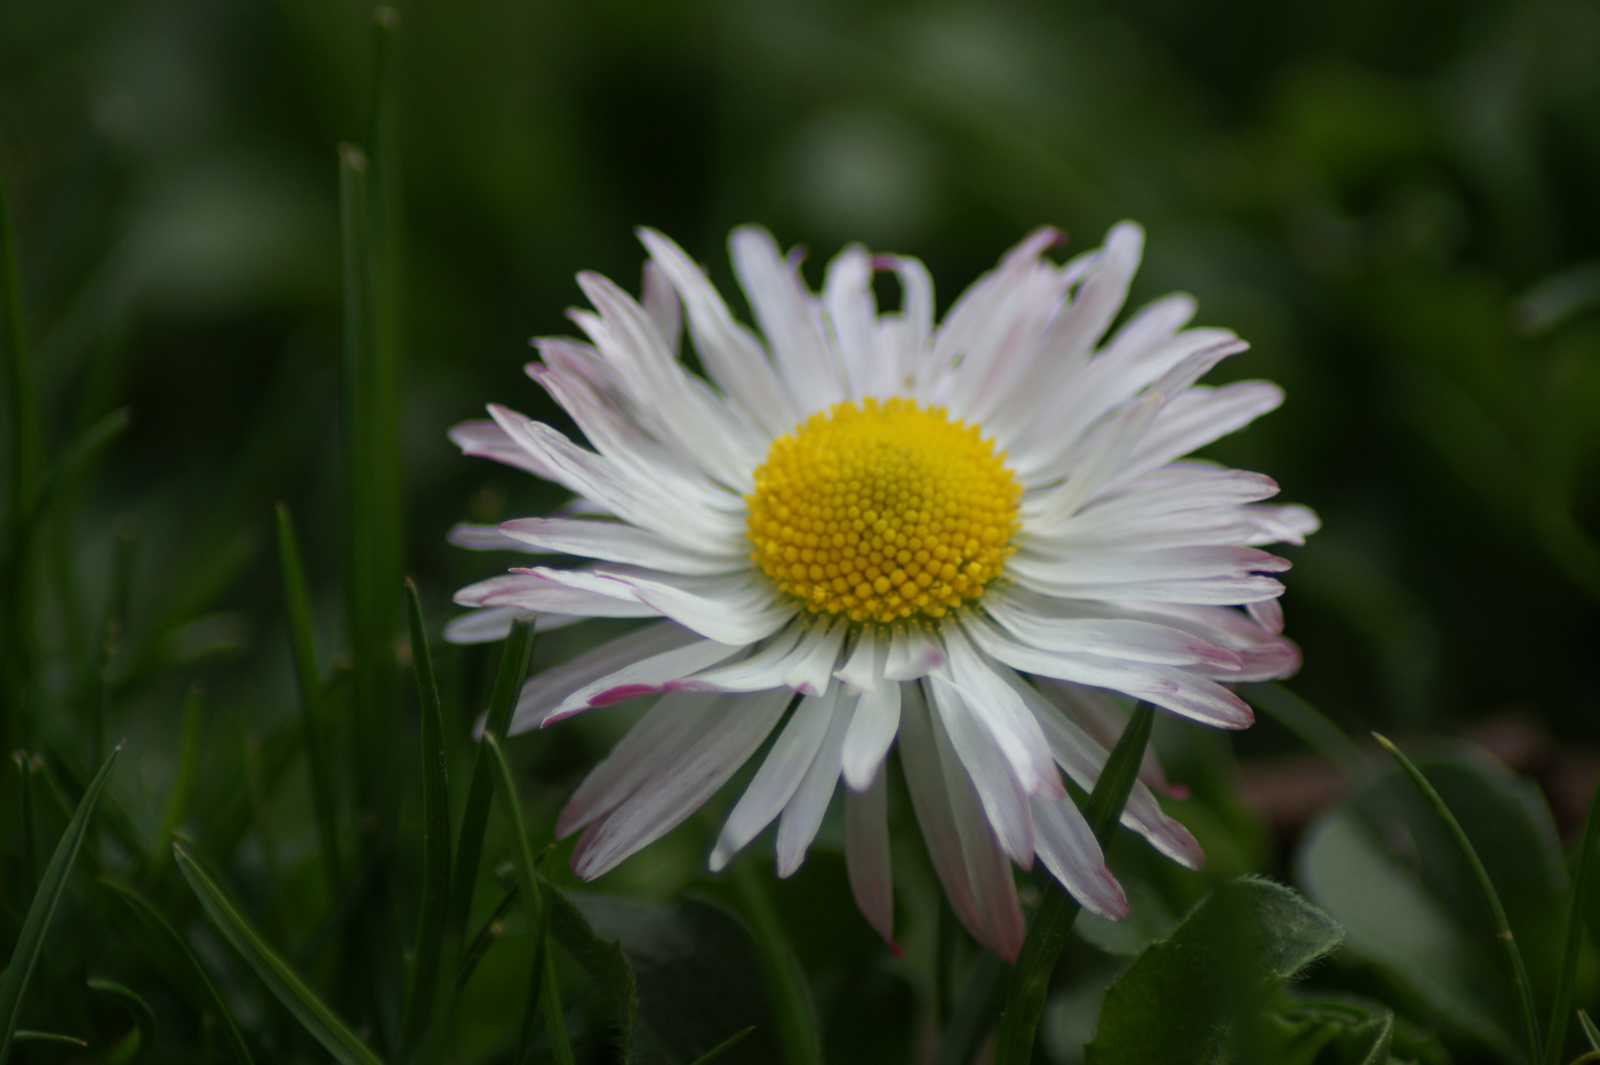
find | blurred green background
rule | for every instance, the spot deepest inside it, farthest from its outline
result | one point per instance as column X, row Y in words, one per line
column 1398, row 204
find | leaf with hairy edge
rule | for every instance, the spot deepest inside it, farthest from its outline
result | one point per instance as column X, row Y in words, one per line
column 1181, row 996
column 289, row 989
column 31, row 941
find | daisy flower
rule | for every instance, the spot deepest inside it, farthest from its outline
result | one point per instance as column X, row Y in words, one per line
column 861, row 530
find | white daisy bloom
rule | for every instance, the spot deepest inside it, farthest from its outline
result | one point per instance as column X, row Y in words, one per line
column 959, row 537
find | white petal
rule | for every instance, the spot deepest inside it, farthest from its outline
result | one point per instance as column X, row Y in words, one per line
column 730, row 735
column 812, row 670
column 1104, row 462
column 732, row 357
column 864, row 668
column 851, row 313
column 1005, row 803
column 484, row 538
column 644, row 677
column 1269, row 613
column 866, row 852
column 1166, row 686
column 664, row 732
column 914, row 324
column 806, row 361
column 1199, row 416
column 1065, row 573
column 488, row 440
column 764, row 669
column 494, row 623
column 1001, row 713
column 913, row 652
column 545, row 690
column 1083, row 759
column 779, row 776
column 803, row 815
column 872, row 730
column 735, row 609
column 661, row 306
column 616, row 542
column 1069, row 850
column 963, row 851
column 556, row 591
column 1101, row 718
column 1023, row 615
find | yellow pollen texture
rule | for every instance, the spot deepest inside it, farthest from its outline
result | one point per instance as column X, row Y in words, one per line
column 881, row 511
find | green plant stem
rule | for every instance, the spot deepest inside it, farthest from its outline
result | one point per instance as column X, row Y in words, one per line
column 1052, row 921
column 1508, row 943
column 786, row 989
column 1555, row 1039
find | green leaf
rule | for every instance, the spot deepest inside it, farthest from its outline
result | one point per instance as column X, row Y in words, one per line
column 143, row 1034
column 514, row 661
column 1052, row 921
column 429, row 946
column 1556, row 1037
column 31, row 941
column 785, row 983
column 1590, row 1032
column 303, row 642
column 160, row 943
column 1348, row 1033
column 973, row 1018
column 1181, row 996
column 289, row 989
column 695, row 977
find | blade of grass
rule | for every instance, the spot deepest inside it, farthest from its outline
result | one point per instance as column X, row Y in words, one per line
column 113, row 633
column 433, row 1039
column 169, row 952
column 514, row 660
column 1052, row 921
column 30, row 848
column 1508, row 944
column 539, row 942
column 144, row 1021
column 1590, row 1032
column 786, row 988
column 542, row 990
column 287, row 987
column 1555, row 1038
column 23, row 1035
column 303, row 642
column 31, row 941
column 182, row 791
column 1313, row 728
column 723, row 1047
column 435, row 839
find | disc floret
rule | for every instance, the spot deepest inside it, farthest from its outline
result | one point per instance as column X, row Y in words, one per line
column 882, row 511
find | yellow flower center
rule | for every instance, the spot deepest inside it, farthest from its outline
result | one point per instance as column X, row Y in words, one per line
column 880, row 511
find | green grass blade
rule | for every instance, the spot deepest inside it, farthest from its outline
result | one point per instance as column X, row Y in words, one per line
column 303, row 642
column 1052, row 921
column 169, row 952
column 1313, row 728
column 435, row 839
column 539, row 939
column 1590, row 1032
column 26, row 767
column 77, row 457
column 543, row 989
column 143, row 1035
column 514, row 660
column 177, row 806
column 23, row 1035
column 31, row 940
column 786, row 988
column 1555, row 1037
column 288, row 988
column 723, row 1047
column 1508, row 944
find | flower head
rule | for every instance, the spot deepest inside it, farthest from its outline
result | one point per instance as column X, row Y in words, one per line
column 860, row 529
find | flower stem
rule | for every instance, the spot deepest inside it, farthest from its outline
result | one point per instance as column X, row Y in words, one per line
column 1047, row 933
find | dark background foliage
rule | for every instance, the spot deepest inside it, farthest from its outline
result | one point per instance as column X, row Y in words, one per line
column 1395, row 202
